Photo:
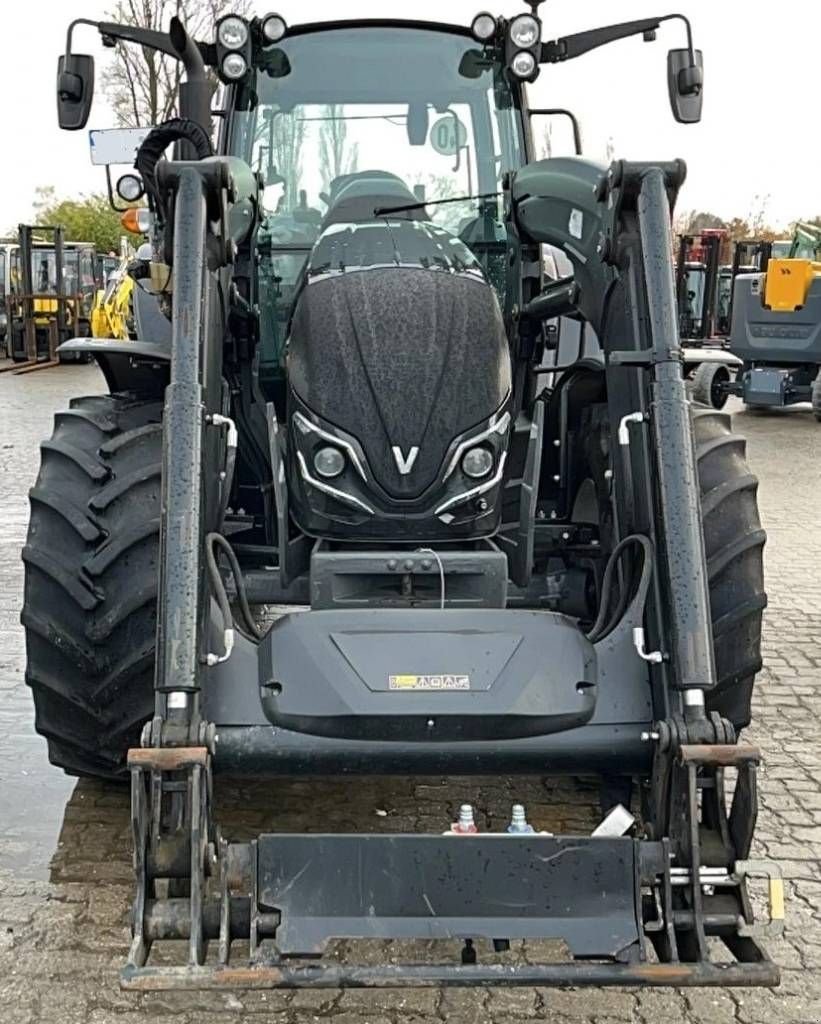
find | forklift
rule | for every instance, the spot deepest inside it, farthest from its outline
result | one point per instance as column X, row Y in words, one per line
column 52, row 284
column 697, row 272
column 6, row 250
column 750, row 256
column 702, row 276
column 706, row 267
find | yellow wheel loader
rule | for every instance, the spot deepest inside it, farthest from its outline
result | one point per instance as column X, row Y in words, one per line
column 111, row 315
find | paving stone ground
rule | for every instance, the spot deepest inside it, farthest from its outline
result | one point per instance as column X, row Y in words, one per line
column 65, row 875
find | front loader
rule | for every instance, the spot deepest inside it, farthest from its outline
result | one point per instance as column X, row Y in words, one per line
column 497, row 562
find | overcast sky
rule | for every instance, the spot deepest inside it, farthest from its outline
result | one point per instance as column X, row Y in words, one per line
column 758, row 142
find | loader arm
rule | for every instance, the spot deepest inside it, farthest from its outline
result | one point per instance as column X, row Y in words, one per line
column 653, row 886
column 502, row 562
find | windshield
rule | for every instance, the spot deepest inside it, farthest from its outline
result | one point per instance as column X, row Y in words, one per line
column 44, row 268
column 692, row 299
column 415, row 103
column 78, row 272
column 419, row 110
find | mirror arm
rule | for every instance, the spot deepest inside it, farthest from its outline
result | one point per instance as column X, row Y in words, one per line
column 154, row 40
column 71, row 27
column 689, row 28
column 569, row 47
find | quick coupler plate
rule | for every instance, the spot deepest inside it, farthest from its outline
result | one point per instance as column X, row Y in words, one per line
column 599, row 896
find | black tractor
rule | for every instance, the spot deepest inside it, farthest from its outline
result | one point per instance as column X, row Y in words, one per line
column 510, row 542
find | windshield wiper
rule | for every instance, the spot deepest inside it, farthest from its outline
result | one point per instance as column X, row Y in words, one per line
column 381, row 211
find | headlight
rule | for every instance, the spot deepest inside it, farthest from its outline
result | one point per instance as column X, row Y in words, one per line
column 329, row 462
column 525, row 31
column 234, row 66
column 130, row 188
column 273, row 28
column 523, row 64
column 478, row 462
column 232, row 33
column 484, row 27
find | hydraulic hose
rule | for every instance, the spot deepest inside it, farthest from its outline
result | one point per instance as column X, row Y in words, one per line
column 224, row 605
column 602, row 626
column 216, row 539
column 159, row 139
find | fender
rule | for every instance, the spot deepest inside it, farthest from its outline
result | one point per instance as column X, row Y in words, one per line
column 140, row 366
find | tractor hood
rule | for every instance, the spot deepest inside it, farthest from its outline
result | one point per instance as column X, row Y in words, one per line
column 398, row 341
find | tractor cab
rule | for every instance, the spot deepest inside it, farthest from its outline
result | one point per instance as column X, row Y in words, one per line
column 383, row 150
column 362, row 132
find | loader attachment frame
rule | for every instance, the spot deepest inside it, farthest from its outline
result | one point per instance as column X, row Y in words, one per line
column 635, row 911
column 633, row 919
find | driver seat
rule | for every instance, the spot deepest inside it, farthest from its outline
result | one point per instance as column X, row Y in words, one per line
column 354, row 197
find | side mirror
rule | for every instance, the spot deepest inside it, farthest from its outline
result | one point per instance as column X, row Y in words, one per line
column 474, row 64
column 75, row 90
column 685, row 82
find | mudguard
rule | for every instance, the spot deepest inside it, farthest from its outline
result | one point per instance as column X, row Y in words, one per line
column 555, row 203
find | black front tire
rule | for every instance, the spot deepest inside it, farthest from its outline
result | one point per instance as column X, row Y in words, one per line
column 734, row 546
column 91, row 569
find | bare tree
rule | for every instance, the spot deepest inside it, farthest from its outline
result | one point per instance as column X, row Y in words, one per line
column 287, row 138
column 758, row 220
column 336, row 155
column 693, row 222
column 141, row 84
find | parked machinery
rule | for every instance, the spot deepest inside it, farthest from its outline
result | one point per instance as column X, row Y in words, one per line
column 700, row 258
column 509, row 568
column 776, row 327
column 705, row 290
column 701, row 283
column 7, row 249
column 111, row 315
column 51, row 290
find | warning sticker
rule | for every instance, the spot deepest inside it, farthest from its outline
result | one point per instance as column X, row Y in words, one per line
column 429, row 682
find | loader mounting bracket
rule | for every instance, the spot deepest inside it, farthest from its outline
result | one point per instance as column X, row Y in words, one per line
column 619, row 190
column 631, row 911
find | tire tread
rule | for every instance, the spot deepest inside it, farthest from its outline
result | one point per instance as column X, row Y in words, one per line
column 91, row 558
column 734, row 545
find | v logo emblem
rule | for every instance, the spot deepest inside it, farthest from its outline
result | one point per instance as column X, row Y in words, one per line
column 404, row 463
